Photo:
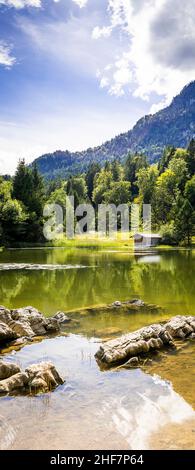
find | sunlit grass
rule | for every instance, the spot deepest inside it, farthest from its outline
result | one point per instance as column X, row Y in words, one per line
column 118, row 241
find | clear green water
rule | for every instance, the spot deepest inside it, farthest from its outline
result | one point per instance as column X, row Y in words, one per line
column 93, row 409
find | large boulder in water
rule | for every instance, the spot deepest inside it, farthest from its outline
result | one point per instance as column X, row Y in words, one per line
column 28, row 322
column 14, row 383
column 145, row 340
column 33, row 317
column 6, row 333
column 7, row 369
column 43, row 377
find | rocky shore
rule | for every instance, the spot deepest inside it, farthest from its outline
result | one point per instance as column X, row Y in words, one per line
column 131, row 349
column 21, row 325
column 41, row 377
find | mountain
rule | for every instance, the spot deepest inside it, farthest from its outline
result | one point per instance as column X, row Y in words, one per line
column 172, row 126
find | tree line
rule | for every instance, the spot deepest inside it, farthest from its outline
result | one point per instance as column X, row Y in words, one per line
column 169, row 186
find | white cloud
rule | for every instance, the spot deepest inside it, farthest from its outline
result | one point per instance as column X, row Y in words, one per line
column 69, row 42
column 159, row 56
column 21, row 3
column 6, row 59
column 80, row 3
column 101, row 32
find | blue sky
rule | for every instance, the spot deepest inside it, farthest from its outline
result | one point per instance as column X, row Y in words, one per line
column 74, row 73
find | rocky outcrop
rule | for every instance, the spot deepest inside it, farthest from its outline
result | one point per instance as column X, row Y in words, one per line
column 7, row 369
column 6, row 333
column 28, row 322
column 14, row 383
column 62, row 318
column 126, row 307
column 146, row 340
column 42, row 377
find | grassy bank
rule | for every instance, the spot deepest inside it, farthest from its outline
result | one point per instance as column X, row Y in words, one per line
column 95, row 242
column 119, row 242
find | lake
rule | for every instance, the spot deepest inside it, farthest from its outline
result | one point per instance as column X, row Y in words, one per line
column 116, row 409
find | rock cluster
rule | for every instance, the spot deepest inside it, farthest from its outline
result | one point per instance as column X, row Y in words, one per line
column 145, row 340
column 125, row 307
column 28, row 322
column 42, row 377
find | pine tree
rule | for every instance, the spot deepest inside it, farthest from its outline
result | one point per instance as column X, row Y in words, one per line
column 23, row 184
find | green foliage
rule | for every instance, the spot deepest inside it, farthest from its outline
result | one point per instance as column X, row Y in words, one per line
column 12, row 212
column 178, row 166
column 146, row 182
column 117, row 171
column 165, row 196
column 76, row 186
column 132, row 166
column 28, row 188
column 168, row 186
column 58, row 196
column 166, row 158
column 185, row 220
column 119, row 193
column 189, row 192
column 92, row 171
column 168, row 233
column 102, row 184
column 21, row 205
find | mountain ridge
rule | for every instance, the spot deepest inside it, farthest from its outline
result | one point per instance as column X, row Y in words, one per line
column 171, row 126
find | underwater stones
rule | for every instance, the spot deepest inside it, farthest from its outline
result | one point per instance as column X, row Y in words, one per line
column 145, row 340
column 107, row 332
column 42, row 377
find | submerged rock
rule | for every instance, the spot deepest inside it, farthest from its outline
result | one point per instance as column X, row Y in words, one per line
column 42, row 377
column 106, row 332
column 125, row 307
column 145, row 340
